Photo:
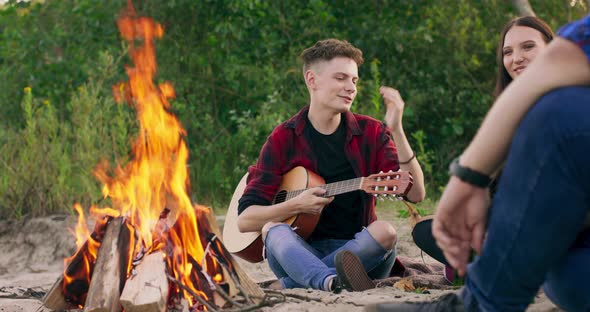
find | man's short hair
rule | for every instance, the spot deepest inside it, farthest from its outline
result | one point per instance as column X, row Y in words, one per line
column 325, row 50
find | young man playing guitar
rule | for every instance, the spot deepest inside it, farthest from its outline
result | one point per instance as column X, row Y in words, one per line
column 326, row 138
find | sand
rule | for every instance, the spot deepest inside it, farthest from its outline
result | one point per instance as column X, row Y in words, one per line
column 33, row 251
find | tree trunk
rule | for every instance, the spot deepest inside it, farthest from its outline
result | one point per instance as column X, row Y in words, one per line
column 523, row 7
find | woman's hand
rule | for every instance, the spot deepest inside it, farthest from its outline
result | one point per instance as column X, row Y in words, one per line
column 460, row 222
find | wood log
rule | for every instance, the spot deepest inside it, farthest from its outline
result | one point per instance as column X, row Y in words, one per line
column 110, row 269
column 147, row 289
column 54, row 298
column 184, row 304
column 247, row 284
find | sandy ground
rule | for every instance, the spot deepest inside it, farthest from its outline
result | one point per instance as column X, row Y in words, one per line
column 32, row 253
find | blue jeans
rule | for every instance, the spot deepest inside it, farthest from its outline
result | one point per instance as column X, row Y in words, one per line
column 298, row 264
column 536, row 225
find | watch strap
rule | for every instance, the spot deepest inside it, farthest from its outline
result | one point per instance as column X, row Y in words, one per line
column 469, row 175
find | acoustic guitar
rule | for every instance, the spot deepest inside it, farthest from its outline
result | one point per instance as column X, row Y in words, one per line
column 248, row 245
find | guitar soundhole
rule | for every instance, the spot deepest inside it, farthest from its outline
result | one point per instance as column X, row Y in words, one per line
column 280, row 197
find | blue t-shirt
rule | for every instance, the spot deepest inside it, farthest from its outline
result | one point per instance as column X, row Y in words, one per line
column 579, row 33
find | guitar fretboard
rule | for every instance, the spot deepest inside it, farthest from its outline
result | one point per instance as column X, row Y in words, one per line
column 332, row 189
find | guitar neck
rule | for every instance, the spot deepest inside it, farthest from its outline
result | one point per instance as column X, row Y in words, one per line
column 332, row 189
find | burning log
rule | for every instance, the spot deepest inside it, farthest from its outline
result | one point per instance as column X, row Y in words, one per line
column 54, row 299
column 110, row 270
column 248, row 287
column 147, row 289
column 78, row 287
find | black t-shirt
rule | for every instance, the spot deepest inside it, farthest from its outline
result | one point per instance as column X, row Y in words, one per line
column 342, row 218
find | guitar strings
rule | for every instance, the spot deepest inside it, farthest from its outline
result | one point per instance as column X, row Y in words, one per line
column 332, row 189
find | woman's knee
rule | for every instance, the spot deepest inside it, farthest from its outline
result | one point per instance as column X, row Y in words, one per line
column 384, row 233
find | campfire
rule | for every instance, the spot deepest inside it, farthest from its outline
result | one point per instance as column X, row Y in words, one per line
column 153, row 249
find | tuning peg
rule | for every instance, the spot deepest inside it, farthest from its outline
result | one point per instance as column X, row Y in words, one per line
column 378, row 179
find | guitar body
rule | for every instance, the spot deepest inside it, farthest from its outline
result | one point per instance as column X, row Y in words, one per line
column 248, row 245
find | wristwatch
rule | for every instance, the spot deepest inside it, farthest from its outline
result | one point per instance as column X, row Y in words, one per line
column 469, row 175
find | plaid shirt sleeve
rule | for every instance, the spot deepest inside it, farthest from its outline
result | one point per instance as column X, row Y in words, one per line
column 579, row 33
column 265, row 177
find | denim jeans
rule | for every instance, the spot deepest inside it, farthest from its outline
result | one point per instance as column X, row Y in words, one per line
column 536, row 225
column 298, row 264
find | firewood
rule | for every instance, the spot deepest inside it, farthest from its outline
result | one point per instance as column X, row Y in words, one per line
column 109, row 271
column 54, row 298
column 185, row 307
column 250, row 288
column 147, row 289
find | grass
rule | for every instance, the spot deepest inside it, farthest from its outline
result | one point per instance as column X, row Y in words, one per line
column 389, row 210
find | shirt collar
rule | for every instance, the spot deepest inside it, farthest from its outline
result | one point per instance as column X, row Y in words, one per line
column 298, row 122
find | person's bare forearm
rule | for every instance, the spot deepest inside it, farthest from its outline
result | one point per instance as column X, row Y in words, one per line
column 561, row 64
column 310, row 201
column 404, row 153
column 256, row 216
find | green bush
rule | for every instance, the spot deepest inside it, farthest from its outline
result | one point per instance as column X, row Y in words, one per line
column 47, row 165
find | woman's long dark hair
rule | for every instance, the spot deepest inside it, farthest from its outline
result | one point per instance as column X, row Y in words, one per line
column 503, row 79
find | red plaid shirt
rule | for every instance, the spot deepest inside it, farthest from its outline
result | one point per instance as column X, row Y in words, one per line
column 368, row 147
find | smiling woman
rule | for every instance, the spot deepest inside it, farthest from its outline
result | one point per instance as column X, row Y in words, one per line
column 521, row 46
column 520, row 42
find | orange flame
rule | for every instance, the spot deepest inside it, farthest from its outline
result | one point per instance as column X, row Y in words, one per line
column 156, row 179
column 82, row 233
column 76, row 278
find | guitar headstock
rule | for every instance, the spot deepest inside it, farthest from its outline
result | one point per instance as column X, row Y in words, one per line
column 396, row 183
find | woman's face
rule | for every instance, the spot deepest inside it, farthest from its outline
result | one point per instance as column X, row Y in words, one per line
column 521, row 46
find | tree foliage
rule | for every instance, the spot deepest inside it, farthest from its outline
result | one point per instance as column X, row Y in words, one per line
column 235, row 67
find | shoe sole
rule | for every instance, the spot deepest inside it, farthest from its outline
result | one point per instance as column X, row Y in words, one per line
column 351, row 272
